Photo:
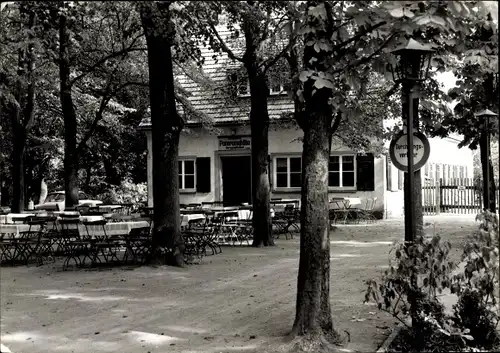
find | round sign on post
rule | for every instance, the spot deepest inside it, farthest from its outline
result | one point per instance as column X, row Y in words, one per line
column 398, row 151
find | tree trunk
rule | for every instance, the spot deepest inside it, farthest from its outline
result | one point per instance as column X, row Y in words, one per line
column 18, row 174
column 22, row 118
column 483, row 149
column 313, row 314
column 166, row 127
column 259, row 124
column 71, row 162
column 313, row 319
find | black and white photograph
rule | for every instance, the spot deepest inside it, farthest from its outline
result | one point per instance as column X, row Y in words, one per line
column 226, row 176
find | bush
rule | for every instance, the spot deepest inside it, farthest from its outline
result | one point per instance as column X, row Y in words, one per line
column 475, row 287
column 420, row 270
column 471, row 314
column 127, row 192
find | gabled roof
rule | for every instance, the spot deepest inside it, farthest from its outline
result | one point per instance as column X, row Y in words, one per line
column 212, row 101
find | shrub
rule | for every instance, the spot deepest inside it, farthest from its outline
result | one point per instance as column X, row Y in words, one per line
column 419, row 271
column 477, row 285
column 127, row 192
column 471, row 314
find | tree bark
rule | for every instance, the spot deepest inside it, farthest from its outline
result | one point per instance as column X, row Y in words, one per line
column 259, row 125
column 71, row 161
column 18, row 174
column 22, row 117
column 166, row 127
column 313, row 319
column 483, row 150
column 313, row 314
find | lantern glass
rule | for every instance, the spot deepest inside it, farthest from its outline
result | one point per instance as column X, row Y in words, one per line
column 414, row 61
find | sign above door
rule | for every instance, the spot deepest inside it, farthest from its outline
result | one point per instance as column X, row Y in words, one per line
column 227, row 143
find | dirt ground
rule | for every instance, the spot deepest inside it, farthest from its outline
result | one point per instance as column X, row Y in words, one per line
column 242, row 300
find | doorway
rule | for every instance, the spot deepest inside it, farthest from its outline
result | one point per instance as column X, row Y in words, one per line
column 236, row 180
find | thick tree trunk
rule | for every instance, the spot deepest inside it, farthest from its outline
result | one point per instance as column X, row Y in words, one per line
column 71, row 157
column 313, row 314
column 18, row 177
column 313, row 319
column 22, row 118
column 166, row 127
column 167, row 217
column 483, row 150
column 259, row 123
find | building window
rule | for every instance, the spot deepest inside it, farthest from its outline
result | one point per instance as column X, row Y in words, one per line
column 243, row 88
column 288, row 172
column 341, row 171
column 187, row 175
column 276, row 86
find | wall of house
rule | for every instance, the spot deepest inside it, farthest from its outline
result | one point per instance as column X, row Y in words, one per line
column 199, row 143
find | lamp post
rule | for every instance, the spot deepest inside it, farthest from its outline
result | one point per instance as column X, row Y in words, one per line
column 487, row 114
column 411, row 69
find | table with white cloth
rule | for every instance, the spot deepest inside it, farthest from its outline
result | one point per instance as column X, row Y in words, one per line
column 110, row 229
column 8, row 218
column 110, row 209
column 188, row 218
column 15, row 229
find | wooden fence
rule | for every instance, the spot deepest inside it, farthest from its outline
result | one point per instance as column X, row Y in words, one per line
column 453, row 195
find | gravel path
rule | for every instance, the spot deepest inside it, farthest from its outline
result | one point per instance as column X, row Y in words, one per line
column 242, row 300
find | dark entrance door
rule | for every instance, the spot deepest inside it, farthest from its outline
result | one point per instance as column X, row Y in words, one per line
column 236, row 180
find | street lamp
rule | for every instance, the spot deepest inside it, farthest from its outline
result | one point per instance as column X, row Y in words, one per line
column 487, row 114
column 414, row 61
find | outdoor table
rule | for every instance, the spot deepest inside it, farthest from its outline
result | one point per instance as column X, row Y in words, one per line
column 110, row 229
column 187, row 218
column 11, row 217
column 15, row 229
column 191, row 211
column 344, row 206
column 109, row 208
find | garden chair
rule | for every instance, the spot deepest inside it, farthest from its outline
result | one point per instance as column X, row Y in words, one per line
column 74, row 246
column 138, row 245
column 366, row 214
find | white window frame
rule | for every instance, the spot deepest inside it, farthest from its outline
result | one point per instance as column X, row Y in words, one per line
column 183, row 160
column 272, row 92
column 277, row 188
column 246, row 94
column 341, row 187
column 275, row 172
column 276, row 93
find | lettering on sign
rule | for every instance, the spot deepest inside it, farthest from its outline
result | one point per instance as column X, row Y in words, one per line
column 235, row 143
column 399, row 150
column 402, row 150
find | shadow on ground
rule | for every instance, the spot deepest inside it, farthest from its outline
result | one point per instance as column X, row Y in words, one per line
column 242, row 300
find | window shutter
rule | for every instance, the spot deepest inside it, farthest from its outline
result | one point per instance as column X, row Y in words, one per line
column 269, row 171
column 366, row 172
column 203, row 183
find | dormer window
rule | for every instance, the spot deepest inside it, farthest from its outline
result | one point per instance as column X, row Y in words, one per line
column 243, row 89
column 275, row 88
column 241, row 85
